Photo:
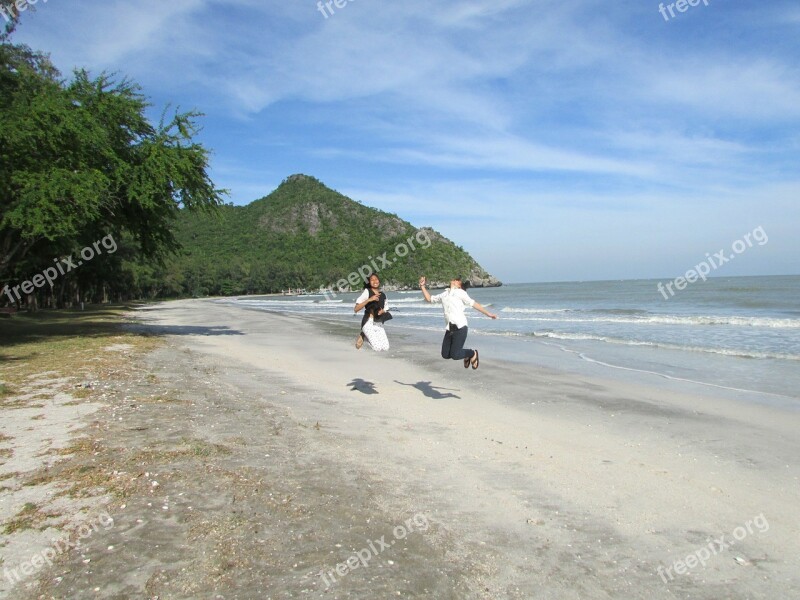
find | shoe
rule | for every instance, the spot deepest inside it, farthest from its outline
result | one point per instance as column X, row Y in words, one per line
column 359, row 341
column 466, row 362
column 477, row 361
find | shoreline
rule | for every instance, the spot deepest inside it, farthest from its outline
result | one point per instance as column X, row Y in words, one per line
column 550, row 356
column 700, row 341
column 531, row 482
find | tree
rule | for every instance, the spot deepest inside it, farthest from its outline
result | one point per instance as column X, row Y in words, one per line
column 79, row 160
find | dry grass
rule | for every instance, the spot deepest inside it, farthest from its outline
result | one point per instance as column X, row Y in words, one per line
column 30, row 517
column 93, row 467
column 160, row 399
column 202, row 448
column 70, row 346
column 8, row 402
column 38, row 343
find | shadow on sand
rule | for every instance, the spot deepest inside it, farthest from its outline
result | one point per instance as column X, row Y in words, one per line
column 429, row 390
column 181, row 329
column 365, row 387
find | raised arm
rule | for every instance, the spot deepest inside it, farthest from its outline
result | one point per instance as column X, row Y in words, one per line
column 424, row 289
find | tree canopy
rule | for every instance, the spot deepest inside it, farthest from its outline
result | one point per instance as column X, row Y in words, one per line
column 79, row 160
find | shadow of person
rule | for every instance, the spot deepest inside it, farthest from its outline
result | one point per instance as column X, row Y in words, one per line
column 365, row 387
column 429, row 390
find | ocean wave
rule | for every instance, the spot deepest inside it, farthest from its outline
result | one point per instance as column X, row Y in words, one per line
column 668, row 376
column 602, row 311
column 650, row 319
column 534, row 311
column 610, row 340
column 616, row 311
column 393, row 300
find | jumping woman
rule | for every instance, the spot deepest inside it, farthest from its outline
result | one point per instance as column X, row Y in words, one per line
column 373, row 302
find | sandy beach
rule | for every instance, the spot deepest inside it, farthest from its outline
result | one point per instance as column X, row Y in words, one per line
column 284, row 463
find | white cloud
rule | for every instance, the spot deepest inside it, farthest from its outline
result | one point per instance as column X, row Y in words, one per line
column 750, row 88
column 593, row 116
column 514, row 153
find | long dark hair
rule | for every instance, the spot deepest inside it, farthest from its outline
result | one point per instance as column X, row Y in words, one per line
column 367, row 284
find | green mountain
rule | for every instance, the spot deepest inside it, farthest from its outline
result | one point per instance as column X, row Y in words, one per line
column 306, row 235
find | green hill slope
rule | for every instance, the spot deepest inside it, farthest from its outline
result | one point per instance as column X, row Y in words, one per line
column 305, row 235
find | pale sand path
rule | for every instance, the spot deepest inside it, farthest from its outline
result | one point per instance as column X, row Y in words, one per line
column 555, row 485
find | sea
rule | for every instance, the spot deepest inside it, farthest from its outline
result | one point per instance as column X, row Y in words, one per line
column 740, row 335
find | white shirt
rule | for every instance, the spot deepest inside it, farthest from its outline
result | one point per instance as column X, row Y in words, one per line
column 453, row 301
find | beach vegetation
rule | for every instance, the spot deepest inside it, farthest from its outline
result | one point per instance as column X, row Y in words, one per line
column 27, row 518
column 80, row 160
column 35, row 344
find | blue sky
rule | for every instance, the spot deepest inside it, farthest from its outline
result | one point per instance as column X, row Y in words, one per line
column 554, row 140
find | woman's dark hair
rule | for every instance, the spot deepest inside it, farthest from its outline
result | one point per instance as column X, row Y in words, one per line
column 366, row 283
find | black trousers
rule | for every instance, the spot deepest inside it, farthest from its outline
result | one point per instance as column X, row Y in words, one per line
column 453, row 343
